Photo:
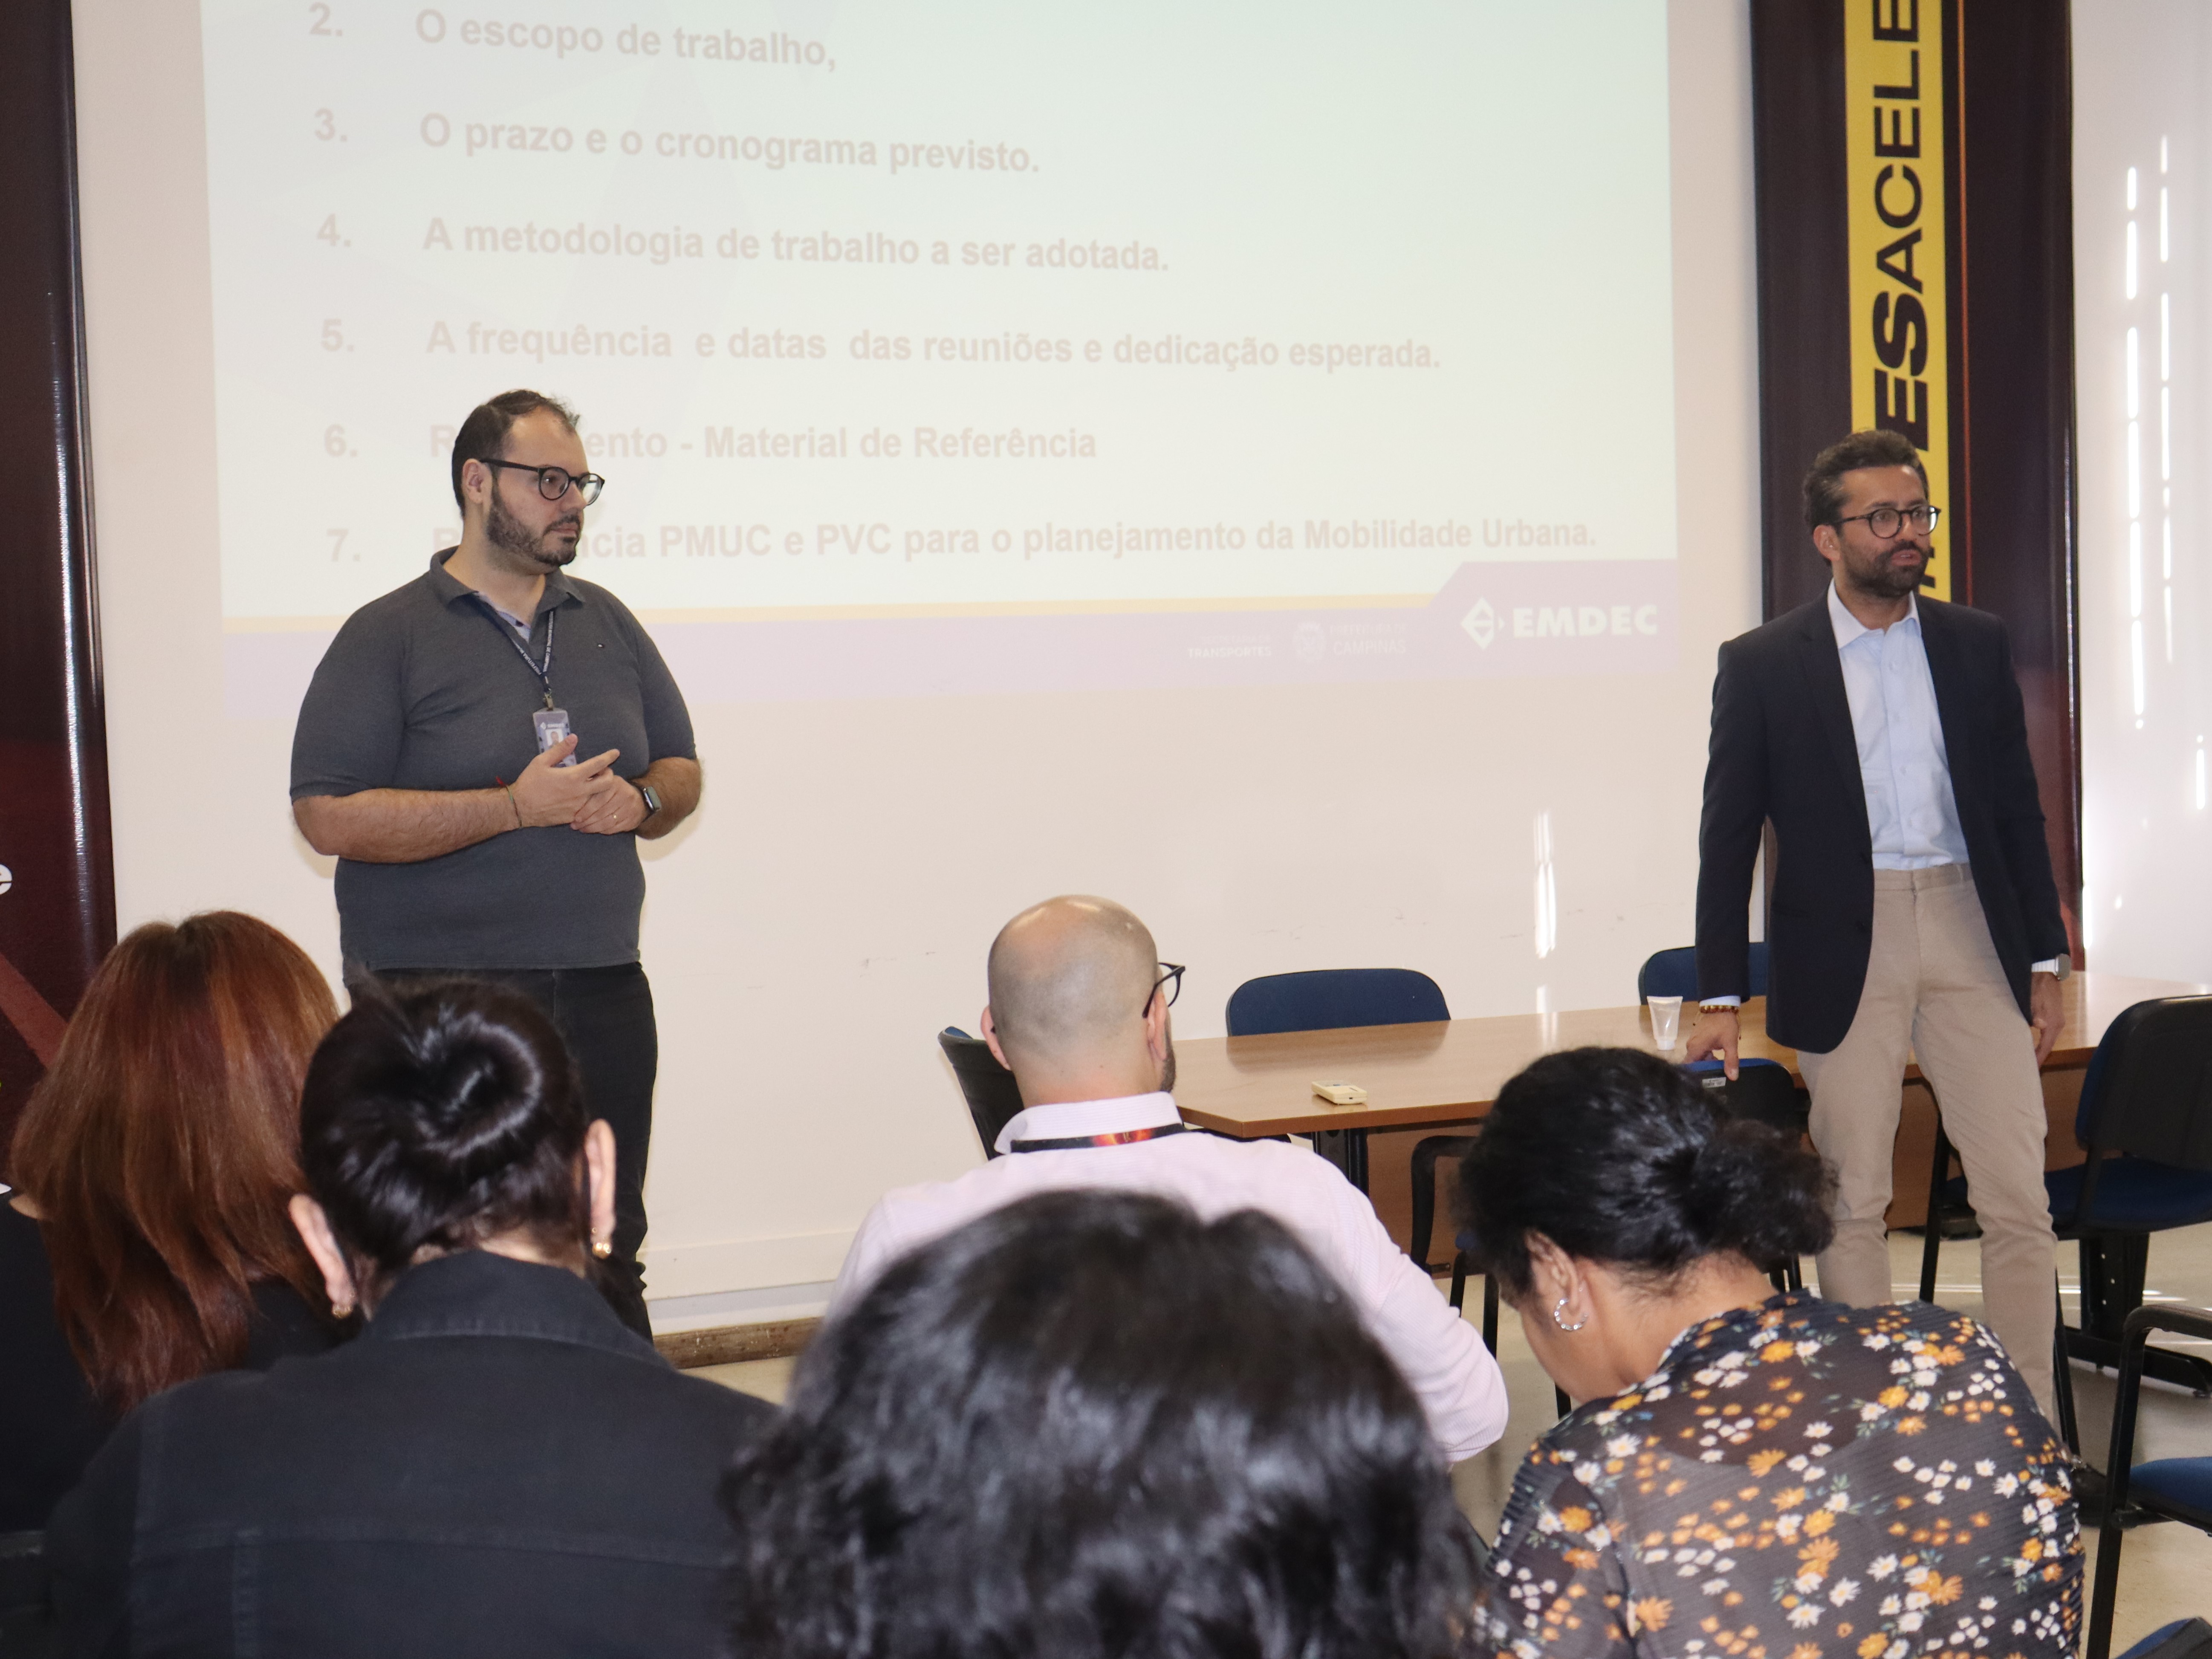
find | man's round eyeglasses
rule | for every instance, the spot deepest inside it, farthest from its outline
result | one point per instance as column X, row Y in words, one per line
column 1172, row 979
column 1888, row 520
column 553, row 482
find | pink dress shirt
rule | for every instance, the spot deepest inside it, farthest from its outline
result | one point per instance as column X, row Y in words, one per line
column 1440, row 1355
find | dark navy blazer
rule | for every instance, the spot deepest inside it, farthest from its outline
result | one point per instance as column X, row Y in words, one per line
column 1783, row 751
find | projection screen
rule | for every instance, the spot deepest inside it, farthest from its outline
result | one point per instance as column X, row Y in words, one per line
column 1286, row 468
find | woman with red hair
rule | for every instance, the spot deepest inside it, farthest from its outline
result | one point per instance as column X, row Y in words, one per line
column 147, row 1241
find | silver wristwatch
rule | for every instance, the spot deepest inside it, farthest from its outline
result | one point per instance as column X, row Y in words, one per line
column 651, row 799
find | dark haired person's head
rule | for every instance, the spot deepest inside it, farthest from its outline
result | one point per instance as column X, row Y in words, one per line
column 1089, row 1425
column 160, row 1148
column 445, row 1115
column 1616, row 1207
column 1861, row 452
column 483, row 435
column 1866, row 503
column 501, row 455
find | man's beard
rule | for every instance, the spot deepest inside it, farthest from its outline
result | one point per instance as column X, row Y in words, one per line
column 506, row 532
column 1168, row 1070
column 1885, row 580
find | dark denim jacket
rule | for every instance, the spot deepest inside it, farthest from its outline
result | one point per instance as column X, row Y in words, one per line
column 497, row 1465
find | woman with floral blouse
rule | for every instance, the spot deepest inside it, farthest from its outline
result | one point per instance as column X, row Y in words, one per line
column 1745, row 1475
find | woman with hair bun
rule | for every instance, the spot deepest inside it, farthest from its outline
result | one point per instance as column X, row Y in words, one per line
column 496, row 1465
column 1744, row 1472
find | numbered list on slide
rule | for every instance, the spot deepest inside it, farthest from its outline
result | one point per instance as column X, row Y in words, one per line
column 1321, row 341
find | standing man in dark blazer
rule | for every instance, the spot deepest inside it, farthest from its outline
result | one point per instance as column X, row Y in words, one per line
column 1913, row 908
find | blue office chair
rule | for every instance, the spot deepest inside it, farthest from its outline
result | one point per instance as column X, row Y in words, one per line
column 985, row 1085
column 2170, row 1489
column 1331, row 998
column 1674, row 973
column 2145, row 1119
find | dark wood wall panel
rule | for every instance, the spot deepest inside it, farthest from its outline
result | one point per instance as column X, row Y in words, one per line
column 2015, row 85
column 58, row 919
column 1804, row 272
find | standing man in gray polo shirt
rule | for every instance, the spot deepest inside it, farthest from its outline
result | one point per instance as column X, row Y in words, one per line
column 481, row 749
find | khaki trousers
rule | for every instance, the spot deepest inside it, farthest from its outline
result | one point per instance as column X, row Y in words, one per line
column 1934, row 987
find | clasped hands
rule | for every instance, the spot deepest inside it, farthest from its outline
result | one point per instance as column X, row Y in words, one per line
column 589, row 796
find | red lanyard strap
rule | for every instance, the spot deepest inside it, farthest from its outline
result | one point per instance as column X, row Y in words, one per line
column 1124, row 1138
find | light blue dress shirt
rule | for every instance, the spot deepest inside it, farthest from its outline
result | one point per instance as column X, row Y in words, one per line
column 1903, row 766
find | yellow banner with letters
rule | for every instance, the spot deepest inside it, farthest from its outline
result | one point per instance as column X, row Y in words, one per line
column 1894, row 84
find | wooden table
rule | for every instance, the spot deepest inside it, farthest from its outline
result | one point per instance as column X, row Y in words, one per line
column 1450, row 1071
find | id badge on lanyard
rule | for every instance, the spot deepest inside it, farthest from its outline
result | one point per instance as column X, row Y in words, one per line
column 552, row 725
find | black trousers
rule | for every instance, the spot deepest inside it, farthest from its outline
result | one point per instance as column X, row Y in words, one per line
column 606, row 1016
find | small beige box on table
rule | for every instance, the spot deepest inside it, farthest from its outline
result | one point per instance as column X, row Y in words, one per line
column 1342, row 1094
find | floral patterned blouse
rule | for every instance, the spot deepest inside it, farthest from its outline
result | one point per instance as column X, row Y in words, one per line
column 1797, row 1481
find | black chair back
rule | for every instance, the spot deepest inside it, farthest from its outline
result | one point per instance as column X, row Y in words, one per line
column 1331, row 999
column 1762, row 1091
column 988, row 1086
column 2185, row 1638
column 2148, row 1092
column 24, row 1627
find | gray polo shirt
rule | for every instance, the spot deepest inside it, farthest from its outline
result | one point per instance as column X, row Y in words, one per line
column 424, row 689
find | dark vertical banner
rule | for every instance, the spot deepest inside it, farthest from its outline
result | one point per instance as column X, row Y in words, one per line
column 58, row 896
column 1915, row 238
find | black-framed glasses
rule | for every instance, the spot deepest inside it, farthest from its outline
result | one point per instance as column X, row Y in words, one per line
column 553, row 482
column 1172, row 979
column 1888, row 520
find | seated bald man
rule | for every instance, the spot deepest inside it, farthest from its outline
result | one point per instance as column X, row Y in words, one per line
column 1077, row 1014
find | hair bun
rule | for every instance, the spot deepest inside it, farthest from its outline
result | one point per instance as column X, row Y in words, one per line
column 1617, row 1157
column 1758, row 1193
column 440, row 1114
column 477, row 1098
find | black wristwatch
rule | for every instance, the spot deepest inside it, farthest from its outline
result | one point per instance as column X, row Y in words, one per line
column 652, row 798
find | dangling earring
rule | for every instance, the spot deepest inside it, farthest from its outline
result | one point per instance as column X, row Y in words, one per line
column 342, row 1310
column 603, row 1248
column 1560, row 1307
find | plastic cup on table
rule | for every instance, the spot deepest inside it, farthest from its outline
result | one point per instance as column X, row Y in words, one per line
column 1666, row 1019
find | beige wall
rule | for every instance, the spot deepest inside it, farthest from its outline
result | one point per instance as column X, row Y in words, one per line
column 828, row 911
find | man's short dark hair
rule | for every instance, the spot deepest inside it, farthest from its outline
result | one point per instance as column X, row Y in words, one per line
column 482, row 437
column 1824, row 484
